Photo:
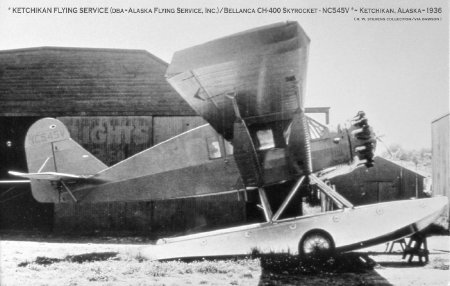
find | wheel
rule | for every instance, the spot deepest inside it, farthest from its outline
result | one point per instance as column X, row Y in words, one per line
column 316, row 244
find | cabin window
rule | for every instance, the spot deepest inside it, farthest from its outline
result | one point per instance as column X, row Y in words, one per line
column 265, row 138
column 213, row 148
column 228, row 147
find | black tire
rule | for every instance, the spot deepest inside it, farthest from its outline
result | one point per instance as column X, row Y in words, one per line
column 316, row 244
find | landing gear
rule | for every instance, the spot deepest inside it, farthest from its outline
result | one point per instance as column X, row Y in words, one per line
column 316, row 244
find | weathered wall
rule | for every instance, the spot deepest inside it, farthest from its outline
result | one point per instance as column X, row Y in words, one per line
column 386, row 181
column 165, row 127
column 152, row 219
column 440, row 129
column 111, row 138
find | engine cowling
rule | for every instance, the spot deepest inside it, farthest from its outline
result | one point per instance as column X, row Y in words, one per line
column 341, row 146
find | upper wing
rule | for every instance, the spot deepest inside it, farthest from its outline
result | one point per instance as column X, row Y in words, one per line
column 264, row 69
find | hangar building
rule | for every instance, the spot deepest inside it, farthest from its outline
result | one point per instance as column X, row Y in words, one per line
column 386, row 181
column 115, row 103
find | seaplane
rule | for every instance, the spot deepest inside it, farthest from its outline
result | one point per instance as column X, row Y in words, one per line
column 250, row 88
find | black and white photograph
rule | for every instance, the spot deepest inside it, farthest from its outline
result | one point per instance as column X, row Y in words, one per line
column 224, row 142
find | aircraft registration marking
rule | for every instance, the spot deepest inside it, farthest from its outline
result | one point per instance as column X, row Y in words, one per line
column 47, row 136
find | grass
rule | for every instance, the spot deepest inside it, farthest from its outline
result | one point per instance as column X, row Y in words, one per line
column 88, row 257
column 38, row 263
column 113, row 268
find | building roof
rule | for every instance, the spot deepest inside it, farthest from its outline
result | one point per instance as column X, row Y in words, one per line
column 401, row 165
column 440, row 117
column 55, row 81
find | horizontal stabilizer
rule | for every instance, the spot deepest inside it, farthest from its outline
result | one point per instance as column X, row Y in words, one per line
column 9, row 182
column 49, row 176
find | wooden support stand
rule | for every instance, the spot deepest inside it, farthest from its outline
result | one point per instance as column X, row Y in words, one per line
column 390, row 245
column 417, row 245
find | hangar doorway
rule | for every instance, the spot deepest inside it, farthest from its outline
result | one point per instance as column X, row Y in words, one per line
column 18, row 209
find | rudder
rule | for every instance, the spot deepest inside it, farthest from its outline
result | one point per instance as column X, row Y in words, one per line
column 49, row 148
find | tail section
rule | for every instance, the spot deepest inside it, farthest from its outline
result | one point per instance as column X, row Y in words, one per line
column 50, row 150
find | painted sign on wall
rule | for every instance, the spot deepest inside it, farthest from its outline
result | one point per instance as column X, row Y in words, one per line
column 111, row 139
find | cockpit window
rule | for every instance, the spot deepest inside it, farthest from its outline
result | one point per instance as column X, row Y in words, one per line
column 265, row 138
column 213, row 148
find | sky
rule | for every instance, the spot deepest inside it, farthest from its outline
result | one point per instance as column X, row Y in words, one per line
column 397, row 71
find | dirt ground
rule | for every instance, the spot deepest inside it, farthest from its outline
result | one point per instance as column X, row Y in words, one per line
column 64, row 261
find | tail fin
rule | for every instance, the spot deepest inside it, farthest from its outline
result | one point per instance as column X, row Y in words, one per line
column 49, row 148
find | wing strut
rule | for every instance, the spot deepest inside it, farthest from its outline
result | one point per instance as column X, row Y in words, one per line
column 335, row 196
column 265, row 204
column 289, row 198
column 68, row 190
column 340, row 200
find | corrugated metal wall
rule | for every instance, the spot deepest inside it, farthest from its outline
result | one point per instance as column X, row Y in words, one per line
column 115, row 138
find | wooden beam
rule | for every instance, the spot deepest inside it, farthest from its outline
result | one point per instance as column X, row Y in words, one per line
column 324, row 110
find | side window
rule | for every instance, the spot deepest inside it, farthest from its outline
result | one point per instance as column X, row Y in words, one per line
column 228, row 147
column 213, row 148
column 265, row 138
